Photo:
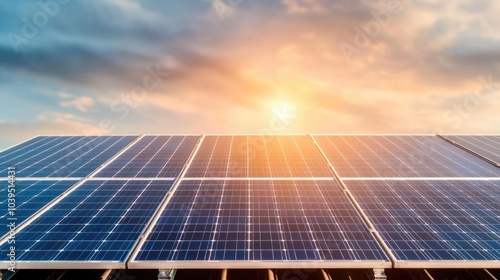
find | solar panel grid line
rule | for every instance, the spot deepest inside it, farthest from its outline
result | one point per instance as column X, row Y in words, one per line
column 66, row 156
column 457, row 162
column 152, row 156
column 30, row 198
column 22, row 143
column 405, row 156
column 365, row 134
column 429, row 157
column 404, row 152
column 358, row 208
column 250, row 156
column 184, row 231
column 175, row 152
column 315, row 238
column 124, row 215
column 93, row 218
column 439, row 192
column 155, row 153
column 128, row 163
column 111, row 159
column 333, row 216
column 155, row 217
column 361, row 156
column 97, row 155
column 280, row 225
column 54, row 155
column 121, row 153
column 479, row 155
column 421, row 178
column 381, row 202
column 131, row 179
column 212, row 240
column 38, row 148
column 278, row 218
column 343, row 156
column 458, row 214
column 289, row 219
column 258, row 178
column 49, row 178
column 249, row 224
column 42, row 210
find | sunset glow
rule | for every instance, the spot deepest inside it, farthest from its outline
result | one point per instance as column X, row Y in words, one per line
column 337, row 67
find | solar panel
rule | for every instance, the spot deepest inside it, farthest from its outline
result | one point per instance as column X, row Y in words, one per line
column 238, row 201
column 62, row 156
column 152, row 157
column 30, row 197
column 258, row 156
column 99, row 221
column 435, row 223
column 401, row 156
column 486, row 146
column 260, row 220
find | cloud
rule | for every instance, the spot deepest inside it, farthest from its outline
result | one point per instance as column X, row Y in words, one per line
column 225, row 73
column 47, row 124
column 81, row 103
column 303, row 6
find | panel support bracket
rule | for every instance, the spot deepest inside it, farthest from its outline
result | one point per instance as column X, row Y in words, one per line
column 167, row 274
column 379, row 273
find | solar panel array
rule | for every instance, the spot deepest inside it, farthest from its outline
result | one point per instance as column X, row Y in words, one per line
column 486, row 146
column 259, row 220
column 401, row 156
column 434, row 220
column 257, row 157
column 238, row 201
column 63, row 156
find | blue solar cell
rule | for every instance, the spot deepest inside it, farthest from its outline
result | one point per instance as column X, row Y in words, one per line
column 62, row 156
column 258, row 156
column 260, row 220
column 31, row 196
column 152, row 157
column 486, row 146
column 98, row 221
column 401, row 156
column 434, row 220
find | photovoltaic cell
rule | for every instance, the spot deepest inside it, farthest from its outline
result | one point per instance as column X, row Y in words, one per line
column 434, row 220
column 258, row 156
column 152, row 157
column 99, row 221
column 31, row 196
column 260, row 220
column 487, row 146
column 401, row 156
column 62, row 156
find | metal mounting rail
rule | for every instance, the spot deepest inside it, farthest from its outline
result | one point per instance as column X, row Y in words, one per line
column 42, row 210
column 360, row 211
column 111, row 159
column 156, row 216
column 490, row 161
column 56, row 200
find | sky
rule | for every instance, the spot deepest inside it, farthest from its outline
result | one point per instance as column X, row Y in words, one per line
column 248, row 66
